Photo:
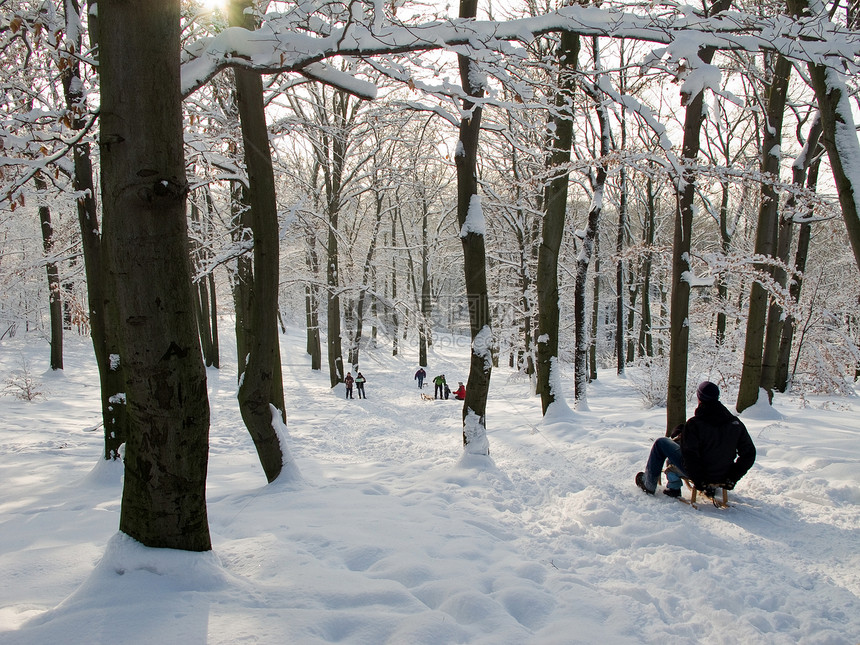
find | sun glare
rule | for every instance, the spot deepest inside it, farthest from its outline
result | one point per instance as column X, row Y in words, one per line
column 213, row 5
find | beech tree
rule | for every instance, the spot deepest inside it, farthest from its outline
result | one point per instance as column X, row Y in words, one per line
column 555, row 210
column 143, row 199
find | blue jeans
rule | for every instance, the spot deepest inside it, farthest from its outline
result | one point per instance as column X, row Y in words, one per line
column 663, row 449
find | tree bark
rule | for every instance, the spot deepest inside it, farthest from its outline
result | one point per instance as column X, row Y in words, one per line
column 755, row 372
column 312, row 306
column 474, row 254
column 725, row 241
column 679, row 330
column 55, row 301
column 261, row 383
column 103, row 330
column 144, row 191
column 555, row 211
column 595, row 312
column 589, row 242
column 839, row 133
column 646, row 347
column 620, row 357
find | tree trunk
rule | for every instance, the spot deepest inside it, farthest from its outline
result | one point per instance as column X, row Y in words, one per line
column 598, row 186
column 261, row 384
column 471, row 221
column 619, row 272
column 725, row 240
column 809, row 160
column 312, row 306
column 424, row 330
column 55, row 303
column 100, row 307
column 144, row 191
column 394, row 318
column 367, row 274
column 335, row 349
column 205, row 301
column 595, row 312
column 555, row 211
column 839, row 134
column 679, row 330
column 645, row 345
column 766, row 241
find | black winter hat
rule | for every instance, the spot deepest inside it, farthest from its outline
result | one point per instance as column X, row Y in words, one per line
column 707, row 391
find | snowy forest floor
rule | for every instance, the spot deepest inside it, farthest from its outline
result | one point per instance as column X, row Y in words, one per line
column 391, row 536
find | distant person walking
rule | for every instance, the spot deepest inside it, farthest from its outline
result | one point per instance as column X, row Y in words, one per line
column 439, row 382
column 349, row 381
column 359, row 384
column 420, row 375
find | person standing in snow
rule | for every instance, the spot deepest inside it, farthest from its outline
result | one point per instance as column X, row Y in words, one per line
column 420, row 376
column 439, row 382
column 349, row 381
column 359, row 384
column 712, row 449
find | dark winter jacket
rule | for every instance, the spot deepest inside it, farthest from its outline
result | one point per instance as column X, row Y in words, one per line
column 715, row 445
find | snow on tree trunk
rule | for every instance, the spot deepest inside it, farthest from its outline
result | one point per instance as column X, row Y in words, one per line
column 472, row 230
column 261, row 383
column 555, row 212
column 55, row 302
column 839, row 133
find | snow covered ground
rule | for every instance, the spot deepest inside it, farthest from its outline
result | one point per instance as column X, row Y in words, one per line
column 390, row 537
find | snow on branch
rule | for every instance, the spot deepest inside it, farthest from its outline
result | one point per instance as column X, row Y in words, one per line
column 279, row 46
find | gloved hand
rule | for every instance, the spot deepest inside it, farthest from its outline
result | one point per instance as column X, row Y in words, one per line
column 729, row 485
column 710, row 491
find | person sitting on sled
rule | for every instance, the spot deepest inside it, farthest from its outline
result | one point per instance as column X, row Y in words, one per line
column 713, row 447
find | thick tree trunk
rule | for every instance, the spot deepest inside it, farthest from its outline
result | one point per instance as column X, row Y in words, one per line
column 555, row 211
column 755, row 372
column 55, row 302
column 145, row 234
column 679, row 330
column 261, row 383
column 472, row 227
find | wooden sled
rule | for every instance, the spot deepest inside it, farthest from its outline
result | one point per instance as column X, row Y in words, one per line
column 719, row 503
column 426, row 397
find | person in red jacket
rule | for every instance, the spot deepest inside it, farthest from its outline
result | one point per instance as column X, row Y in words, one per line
column 460, row 394
column 712, row 448
column 349, row 381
